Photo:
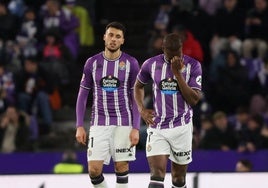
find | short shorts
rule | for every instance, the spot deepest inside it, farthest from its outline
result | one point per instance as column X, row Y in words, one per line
column 106, row 142
column 175, row 142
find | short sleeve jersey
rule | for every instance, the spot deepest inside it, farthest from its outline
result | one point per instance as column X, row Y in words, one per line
column 170, row 108
column 112, row 83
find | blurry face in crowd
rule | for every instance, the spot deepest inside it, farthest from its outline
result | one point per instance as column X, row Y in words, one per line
column 230, row 4
column 231, row 60
column 30, row 66
column 52, row 6
column 113, row 39
column 260, row 4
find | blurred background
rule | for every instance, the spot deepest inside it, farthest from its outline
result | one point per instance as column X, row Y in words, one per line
column 44, row 45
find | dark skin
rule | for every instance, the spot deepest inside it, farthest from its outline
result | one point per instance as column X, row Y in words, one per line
column 191, row 96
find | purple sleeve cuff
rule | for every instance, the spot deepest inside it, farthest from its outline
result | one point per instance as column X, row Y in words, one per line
column 81, row 104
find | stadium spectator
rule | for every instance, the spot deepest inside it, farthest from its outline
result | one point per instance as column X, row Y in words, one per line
column 228, row 28
column 9, row 24
column 55, row 57
column 68, row 164
column 33, row 86
column 14, row 131
column 221, row 136
column 54, row 16
column 250, row 137
column 256, row 29
column 231, row 88
column 85, row 29
column 7, row 89
column 243, row 165
column 27, row 34
column 240, row 118
column 190, row 45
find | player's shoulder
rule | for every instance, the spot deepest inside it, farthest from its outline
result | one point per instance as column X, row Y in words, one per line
column 157, row 58
column 188, row 59
column 95, row 57
column 128, row 57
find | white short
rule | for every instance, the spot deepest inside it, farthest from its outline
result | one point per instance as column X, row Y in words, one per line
column 110, row 141
column 175, row 142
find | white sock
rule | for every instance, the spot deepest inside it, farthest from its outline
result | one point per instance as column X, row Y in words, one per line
column 101, row 185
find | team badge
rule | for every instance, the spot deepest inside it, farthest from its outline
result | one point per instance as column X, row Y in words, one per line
column 122, row 65
column 89, row 152
column 149, row 148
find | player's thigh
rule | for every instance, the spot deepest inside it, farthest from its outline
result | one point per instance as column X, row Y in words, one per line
column 156, row 143
column 180, row 140
column 121, row 149
column 99, row 143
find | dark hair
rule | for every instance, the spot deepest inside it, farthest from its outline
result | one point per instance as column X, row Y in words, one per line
column 172, row 42
column 247, row 163
column 116, row 25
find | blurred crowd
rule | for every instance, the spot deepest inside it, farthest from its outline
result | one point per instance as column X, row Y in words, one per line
column 229, row 38
column 39, row 49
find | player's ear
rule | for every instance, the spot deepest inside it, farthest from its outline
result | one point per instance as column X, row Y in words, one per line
column 104, row 37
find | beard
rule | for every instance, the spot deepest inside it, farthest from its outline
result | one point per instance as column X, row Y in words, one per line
column 112, row 50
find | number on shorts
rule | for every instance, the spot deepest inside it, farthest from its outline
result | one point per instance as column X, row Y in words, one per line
column 91, row 141
column 150, row 134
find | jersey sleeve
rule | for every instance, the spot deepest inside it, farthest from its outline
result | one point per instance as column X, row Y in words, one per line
column 87, row 80
column 144, row 75
column 135, row 67
column 195, row 80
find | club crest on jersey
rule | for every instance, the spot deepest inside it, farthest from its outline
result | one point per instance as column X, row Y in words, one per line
column 169, row 86
column 122, row 65
column 109, row 83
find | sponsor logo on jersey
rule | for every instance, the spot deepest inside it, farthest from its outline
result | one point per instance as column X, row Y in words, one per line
column 109, row 83
column 122, row 65
column 169, row 86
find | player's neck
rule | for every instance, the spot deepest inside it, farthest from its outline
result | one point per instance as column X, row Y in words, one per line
column 112, row 55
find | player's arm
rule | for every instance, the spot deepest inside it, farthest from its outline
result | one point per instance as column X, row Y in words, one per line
column 146, row 114
column 191, row 96
column 80, row 112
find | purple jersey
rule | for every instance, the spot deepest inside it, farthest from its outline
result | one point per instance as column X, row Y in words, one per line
column 170, row 107
column 112, row 82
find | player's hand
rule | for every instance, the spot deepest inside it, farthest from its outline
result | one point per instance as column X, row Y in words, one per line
column 81, row 135
column 134, row 137
column 148, row 116
column 176, row 64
